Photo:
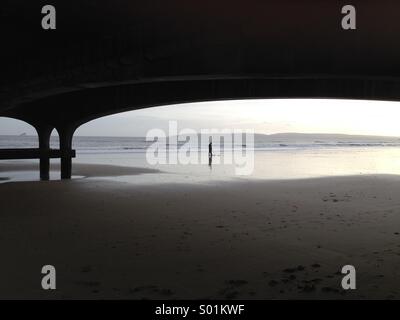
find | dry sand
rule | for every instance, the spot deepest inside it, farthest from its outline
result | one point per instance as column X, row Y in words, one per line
column 245, row 239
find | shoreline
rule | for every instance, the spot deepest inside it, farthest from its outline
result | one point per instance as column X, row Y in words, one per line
column 79, row 170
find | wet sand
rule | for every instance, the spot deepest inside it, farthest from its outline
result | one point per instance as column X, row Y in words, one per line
column 80, row 169
column 218, row 240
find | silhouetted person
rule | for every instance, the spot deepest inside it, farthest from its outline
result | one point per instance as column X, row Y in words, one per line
column 210, row 150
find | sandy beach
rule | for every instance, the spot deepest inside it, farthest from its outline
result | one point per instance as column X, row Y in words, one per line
column 218, row 240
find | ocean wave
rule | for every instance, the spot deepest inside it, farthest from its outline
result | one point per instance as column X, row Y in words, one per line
column 132, row 145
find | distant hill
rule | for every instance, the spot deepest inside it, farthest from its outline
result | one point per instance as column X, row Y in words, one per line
column 292, row 137
column 322, row 137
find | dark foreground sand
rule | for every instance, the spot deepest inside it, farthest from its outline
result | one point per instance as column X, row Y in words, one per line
column 248, row 239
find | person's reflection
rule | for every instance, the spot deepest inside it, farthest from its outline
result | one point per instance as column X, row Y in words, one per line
column 210, row 161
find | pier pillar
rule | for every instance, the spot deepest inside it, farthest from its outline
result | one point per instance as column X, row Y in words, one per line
column 66, row 135
column 44, row 133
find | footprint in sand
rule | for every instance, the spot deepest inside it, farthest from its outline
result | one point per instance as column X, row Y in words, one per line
column 88, row 283
column 292, row 270
column 232, row 289
column 151, row 291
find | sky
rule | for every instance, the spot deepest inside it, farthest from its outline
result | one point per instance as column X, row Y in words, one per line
column 264, row 116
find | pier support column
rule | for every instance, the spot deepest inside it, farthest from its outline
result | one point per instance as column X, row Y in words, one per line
column 66, row 135
column 44, row 133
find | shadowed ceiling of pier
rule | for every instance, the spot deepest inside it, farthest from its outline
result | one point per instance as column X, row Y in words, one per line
column 107, row 57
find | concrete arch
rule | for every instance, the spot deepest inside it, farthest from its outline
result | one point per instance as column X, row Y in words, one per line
column 43, row 152
column 67, row 111
column 54, row 139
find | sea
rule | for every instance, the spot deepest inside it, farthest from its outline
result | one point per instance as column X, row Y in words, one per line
column 273, row 157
